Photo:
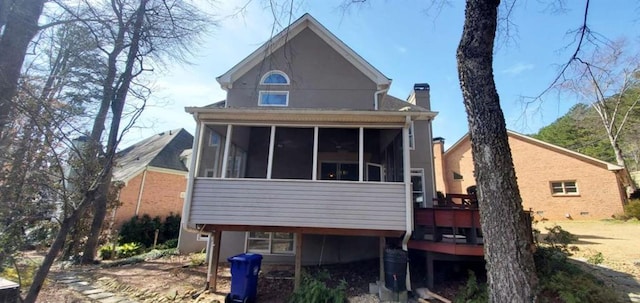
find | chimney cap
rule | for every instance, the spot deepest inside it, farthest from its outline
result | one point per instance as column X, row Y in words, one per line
column 438, row 139
column 421, row 86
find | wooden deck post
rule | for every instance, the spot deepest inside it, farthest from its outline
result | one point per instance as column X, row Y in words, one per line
column 215, row 255
column 298, row 265
column 382, row 246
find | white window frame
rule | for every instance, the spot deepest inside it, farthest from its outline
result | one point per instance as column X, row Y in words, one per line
column 271, row 72
column 380, row 166
column 419, row 172
column 268, row 251
column 263, row 92
column 207, row 171
column 412, row 136
column 564, row 186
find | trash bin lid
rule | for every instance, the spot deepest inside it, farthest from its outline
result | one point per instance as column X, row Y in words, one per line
column 248, row 257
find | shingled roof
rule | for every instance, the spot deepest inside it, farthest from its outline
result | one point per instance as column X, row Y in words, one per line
column 160, row 150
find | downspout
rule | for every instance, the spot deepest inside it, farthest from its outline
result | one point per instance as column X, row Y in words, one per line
column 141, row 190
column 375, row 98
column 408, row 196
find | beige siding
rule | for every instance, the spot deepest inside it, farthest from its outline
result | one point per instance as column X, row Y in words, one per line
column 320, row 77
column 352, row 205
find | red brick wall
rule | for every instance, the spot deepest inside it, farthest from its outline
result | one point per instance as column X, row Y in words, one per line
column 536, row 166
column 161, row 195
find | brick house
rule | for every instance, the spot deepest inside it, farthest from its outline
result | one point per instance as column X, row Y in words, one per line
column 555, row 183
column 154, row 174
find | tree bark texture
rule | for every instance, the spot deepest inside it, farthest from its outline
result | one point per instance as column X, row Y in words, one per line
column 21, row 26
column 510, row 266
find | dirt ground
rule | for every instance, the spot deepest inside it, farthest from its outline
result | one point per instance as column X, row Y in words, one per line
column 618, row 242
column 171, row 277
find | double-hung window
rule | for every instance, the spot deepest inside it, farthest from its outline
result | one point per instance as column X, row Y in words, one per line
column 274, row 91
column 564, row 188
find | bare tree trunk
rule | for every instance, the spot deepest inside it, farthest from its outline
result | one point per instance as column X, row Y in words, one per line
column 617, row 151
column 21, row 26
column 56, row 247
column 117, row 106
column 511, row 270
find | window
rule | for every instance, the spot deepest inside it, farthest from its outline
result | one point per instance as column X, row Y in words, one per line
column 274, row 98
column 270, row 242
column 417, row 186
column 559, row 188
column 214, row 139
column 412, row 137
column 275, row 77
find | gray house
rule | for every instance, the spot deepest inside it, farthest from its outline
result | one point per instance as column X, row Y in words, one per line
column 309, row 160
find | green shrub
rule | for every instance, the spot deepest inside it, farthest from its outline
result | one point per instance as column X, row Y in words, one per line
column 596, row 258
column 197, row 259
column 129, row 249
column 106, row 252
column 315, row 290
column 143, row 229
column 472, row 292
column 632, row 209
column 173, row 243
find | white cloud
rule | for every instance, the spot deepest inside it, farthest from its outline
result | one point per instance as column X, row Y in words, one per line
column 518, row 68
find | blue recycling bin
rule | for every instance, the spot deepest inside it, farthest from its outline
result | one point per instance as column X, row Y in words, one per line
column 244, row 277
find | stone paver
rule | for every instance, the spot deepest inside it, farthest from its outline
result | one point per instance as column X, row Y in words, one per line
column 101, row 295
column 80, row 288
column 92, row 291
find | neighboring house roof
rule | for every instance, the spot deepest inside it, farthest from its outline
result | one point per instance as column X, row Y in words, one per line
column 277, row 41
column 161, row 150
column 562, row 150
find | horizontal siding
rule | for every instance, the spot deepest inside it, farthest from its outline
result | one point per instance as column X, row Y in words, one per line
column 352, row 205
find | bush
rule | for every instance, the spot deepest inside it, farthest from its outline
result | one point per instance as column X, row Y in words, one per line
column 596, row 258
column 143, row 229
column 129, row 249
column 106, row 252
column 632, row 209
column 173, row 243
column 315, row 290
column 197, row 259
column 472, row 292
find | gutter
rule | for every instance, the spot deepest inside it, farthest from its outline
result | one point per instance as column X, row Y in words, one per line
column 376, row 101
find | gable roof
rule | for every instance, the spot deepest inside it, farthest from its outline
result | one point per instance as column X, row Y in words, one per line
column 552, row 147
column 277, row 41
column 160, row 150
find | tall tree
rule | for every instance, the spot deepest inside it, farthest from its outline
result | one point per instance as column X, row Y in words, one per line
column 18, row 25
column 606, row 79
column 510, row 268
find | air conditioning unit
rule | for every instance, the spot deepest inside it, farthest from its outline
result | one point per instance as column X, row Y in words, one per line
column 9, row 291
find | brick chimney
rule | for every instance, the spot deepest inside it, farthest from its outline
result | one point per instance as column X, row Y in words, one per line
column 439, row 164
column 420, row 95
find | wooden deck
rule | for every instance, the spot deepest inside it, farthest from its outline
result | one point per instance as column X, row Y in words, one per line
column 451, row 227
column 448, row 230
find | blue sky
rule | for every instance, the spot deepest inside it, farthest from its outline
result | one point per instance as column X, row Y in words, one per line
column 410, row 43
